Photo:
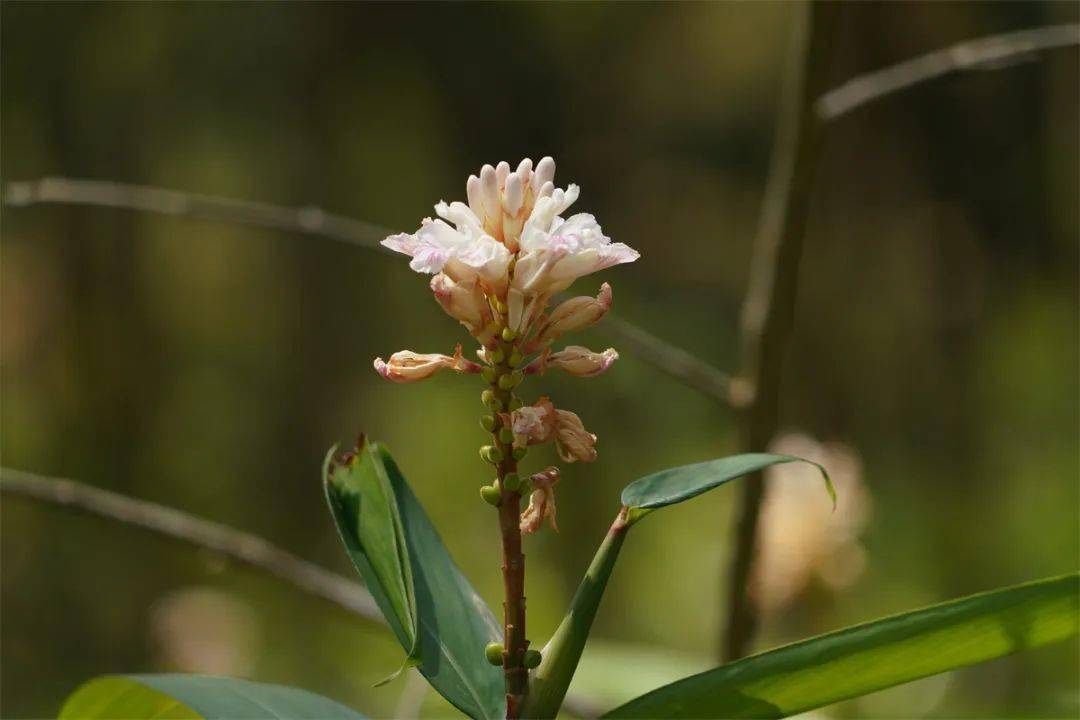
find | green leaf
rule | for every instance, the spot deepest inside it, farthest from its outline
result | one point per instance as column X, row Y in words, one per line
column 873, row 656
column 674, row 485
column 195, row 697
column 562, row 653
column 442, row 622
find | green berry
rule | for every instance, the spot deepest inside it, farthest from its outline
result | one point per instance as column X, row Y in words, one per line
column 515, row 358
column 532, row 659
column 512, row 482
column 520, row 453
column 506, row 436
column 496, row 356
column 488, row 374
column 494, row 653
column 508, row 335
column 515, row 403
column 491, row 494
column 488, row 422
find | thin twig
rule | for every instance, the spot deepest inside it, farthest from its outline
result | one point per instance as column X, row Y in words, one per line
column 243, row 547
column 230, row 542
column 671, row 359
column 769, row 308
column 985, row 53
column 105, row 193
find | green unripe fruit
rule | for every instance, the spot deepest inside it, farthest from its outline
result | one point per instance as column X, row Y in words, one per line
column 515, row 358
column 515, row 403
column 494, row 653
column 491, row 494
column 491, row 454
column 496, row 356
column 508, row 335
column 488, row 422
column 520, row 453
column 506, row 435
column 532, row 659
column 488, row 374
column 512, row 380
column 512, row 482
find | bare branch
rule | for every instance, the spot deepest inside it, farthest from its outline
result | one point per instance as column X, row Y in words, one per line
column 671, row 359
column 230, row 542
column 986, row 53
column 105, row 193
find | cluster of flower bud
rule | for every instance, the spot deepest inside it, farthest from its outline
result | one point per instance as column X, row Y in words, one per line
column 497, row 261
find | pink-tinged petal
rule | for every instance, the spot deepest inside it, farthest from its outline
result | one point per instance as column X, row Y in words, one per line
column 460, row 214
column 583, row 362
column 403, row 243
column 572, row 441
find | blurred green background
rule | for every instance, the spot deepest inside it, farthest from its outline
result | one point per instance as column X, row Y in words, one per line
column 209, row 366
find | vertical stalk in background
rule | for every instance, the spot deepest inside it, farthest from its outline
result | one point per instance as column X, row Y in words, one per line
column 769, row 309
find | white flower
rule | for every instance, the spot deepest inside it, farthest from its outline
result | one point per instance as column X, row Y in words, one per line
column 578, row 360
column 512, row 215
column 533, row 424
column 465, row 302
column 572, row 315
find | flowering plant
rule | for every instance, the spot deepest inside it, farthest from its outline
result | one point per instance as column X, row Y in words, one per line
column 498, row 264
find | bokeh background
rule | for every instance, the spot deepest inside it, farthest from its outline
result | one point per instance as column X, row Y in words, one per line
column 209, row 366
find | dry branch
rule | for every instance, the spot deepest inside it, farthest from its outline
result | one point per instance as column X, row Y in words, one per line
column 985, row 53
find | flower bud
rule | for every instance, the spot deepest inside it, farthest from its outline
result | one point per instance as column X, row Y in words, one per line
column 532, row 659
column 408, row 366
column 515, row 403
column 491, row 454
column 465, row 303
column 508, row 335
column 581, row 361
column 491, row 494
column 510, row 381
column 496, row 356
column 520, row 453
column 506, row 435
column 488, row 374
column 488, row 422
column 512, row 482
column 572, row 441
column 574, row 314
column 515, row 358
column 494, row 653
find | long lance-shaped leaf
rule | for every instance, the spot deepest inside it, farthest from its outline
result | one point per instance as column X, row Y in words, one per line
column 873, row 656
column 562, row 653
column 196, row 697
column 677, row 484
column 453, row 623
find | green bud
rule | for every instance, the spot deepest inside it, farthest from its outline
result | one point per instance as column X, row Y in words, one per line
column 520, row 453
column 506, row 435
column 491, row 454
column 491, row 494
column 511, row 380
column 489, row 399
column 532, row 658
column 488, row 422
column 501, row 306
column 512, row 482
column 515, row 358
column 494, row 653
column 515, row 403
column 496, row 356
column 508, row 335
column 489, row 374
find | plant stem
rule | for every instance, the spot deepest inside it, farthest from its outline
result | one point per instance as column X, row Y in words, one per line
column 513, row 565
column 769, row 309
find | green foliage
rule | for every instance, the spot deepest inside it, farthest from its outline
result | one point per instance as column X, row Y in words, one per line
column 196, row 697
column 442, row 622
column 677, row 484
column 872, row 656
